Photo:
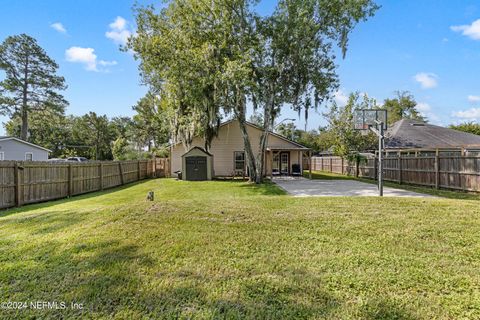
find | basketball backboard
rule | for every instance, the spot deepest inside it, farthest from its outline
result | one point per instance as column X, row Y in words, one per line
column 363, row 119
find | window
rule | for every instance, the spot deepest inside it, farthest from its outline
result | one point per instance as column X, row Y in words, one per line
column 2, row 156
column 239, row 159
column 28, row 156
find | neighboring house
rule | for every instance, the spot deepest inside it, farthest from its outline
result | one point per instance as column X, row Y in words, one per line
column 227, row 155
column 12, row 148
column 416, row 138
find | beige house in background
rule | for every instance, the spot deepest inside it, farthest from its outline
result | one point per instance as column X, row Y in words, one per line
column 226, row 156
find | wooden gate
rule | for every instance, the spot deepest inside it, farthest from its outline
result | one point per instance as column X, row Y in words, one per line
column 162, row 167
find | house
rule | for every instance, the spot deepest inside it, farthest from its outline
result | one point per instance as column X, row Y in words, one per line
column 12, row 148
column 226, row 155
column 417, row 138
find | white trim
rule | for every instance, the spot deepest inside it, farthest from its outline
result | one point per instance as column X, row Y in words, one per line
column 30, row 153
column 25, row 142
column 2, row 155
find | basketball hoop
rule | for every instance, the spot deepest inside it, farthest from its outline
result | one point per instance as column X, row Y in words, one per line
column 364, row 119
column 374, row 120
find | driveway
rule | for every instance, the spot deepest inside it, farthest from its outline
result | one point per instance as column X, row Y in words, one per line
column 301, row 187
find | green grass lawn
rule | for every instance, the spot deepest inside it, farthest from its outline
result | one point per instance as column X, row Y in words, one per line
column 231, row 250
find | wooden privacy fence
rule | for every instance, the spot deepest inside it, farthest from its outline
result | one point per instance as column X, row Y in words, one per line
column 30, row 182
column 448, row 172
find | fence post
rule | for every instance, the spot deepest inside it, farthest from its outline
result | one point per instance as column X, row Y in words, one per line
column 18, row 200
column 70, row 179
column 437, row 172
column 101, row 175
column 120, row 169
column 138, row 170
column 400, row 174
column 154, row 168
column 331, row 166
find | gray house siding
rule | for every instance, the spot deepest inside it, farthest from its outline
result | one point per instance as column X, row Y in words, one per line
column 16, row 150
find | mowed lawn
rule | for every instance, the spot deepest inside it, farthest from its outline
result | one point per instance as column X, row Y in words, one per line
column 230, row 250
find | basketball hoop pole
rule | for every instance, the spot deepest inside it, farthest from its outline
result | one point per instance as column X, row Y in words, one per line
column 381, row 137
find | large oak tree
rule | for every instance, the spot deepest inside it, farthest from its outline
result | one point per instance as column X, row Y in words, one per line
column 209, row 58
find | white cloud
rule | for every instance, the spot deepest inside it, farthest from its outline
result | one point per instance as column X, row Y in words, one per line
column 119, row 31
column 426, row 111
column 426, row 80
column 423, row 107
column 59, row 27
column 470, row 30
column 107, row 63
column 473, row 99
column 87, row 57
column 470, row 114
column 341, row 98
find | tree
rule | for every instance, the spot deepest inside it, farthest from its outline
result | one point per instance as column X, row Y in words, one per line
column 95, row 135
column 257, row 119
column 207, row 58
column 288, row 130
column 151, row 123
column 403, row 106
column 31, row 83
column 120, row 148
column 345, row 139
column 470, row 127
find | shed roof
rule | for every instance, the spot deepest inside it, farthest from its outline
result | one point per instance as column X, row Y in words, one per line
column 411, row 134
column 201, row 149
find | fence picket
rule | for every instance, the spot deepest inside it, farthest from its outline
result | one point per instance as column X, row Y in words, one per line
column 448, row 172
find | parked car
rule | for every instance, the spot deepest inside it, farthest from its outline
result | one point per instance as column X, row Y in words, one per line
column 56, row 160
column 77, row 159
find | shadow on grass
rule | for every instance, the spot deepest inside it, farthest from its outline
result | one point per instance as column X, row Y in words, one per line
column 49, row 203
column 110, row 280
column 384, row 309
column 266, row 189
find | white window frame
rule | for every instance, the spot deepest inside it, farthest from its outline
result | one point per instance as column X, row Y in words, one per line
column 28, row 153
column 2, row 155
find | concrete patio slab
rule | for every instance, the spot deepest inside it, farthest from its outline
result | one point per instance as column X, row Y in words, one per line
column 301, row 187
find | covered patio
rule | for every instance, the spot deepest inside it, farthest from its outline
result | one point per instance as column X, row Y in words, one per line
column 281, row 161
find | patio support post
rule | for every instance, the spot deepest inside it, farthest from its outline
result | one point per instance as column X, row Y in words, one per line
column 271, row 165
column 310, row 164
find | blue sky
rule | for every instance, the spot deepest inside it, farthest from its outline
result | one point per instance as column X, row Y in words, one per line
column 430, row 48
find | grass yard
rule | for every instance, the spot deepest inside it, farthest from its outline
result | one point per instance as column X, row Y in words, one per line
column 230, row 250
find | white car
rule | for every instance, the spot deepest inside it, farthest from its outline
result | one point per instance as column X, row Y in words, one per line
column 77, row 159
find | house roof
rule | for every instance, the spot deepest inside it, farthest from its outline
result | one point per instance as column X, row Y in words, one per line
column 6, row 138
column 414, row 134
column 297, row 145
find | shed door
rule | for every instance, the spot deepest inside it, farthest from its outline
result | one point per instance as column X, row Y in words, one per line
column 196, row 168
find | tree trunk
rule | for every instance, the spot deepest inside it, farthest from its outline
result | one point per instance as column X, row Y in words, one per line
column 24, row 129
column 24, row 111
column 239, row 111
column 264, row 140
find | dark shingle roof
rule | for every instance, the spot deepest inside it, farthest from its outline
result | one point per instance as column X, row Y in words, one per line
column 406, row 134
